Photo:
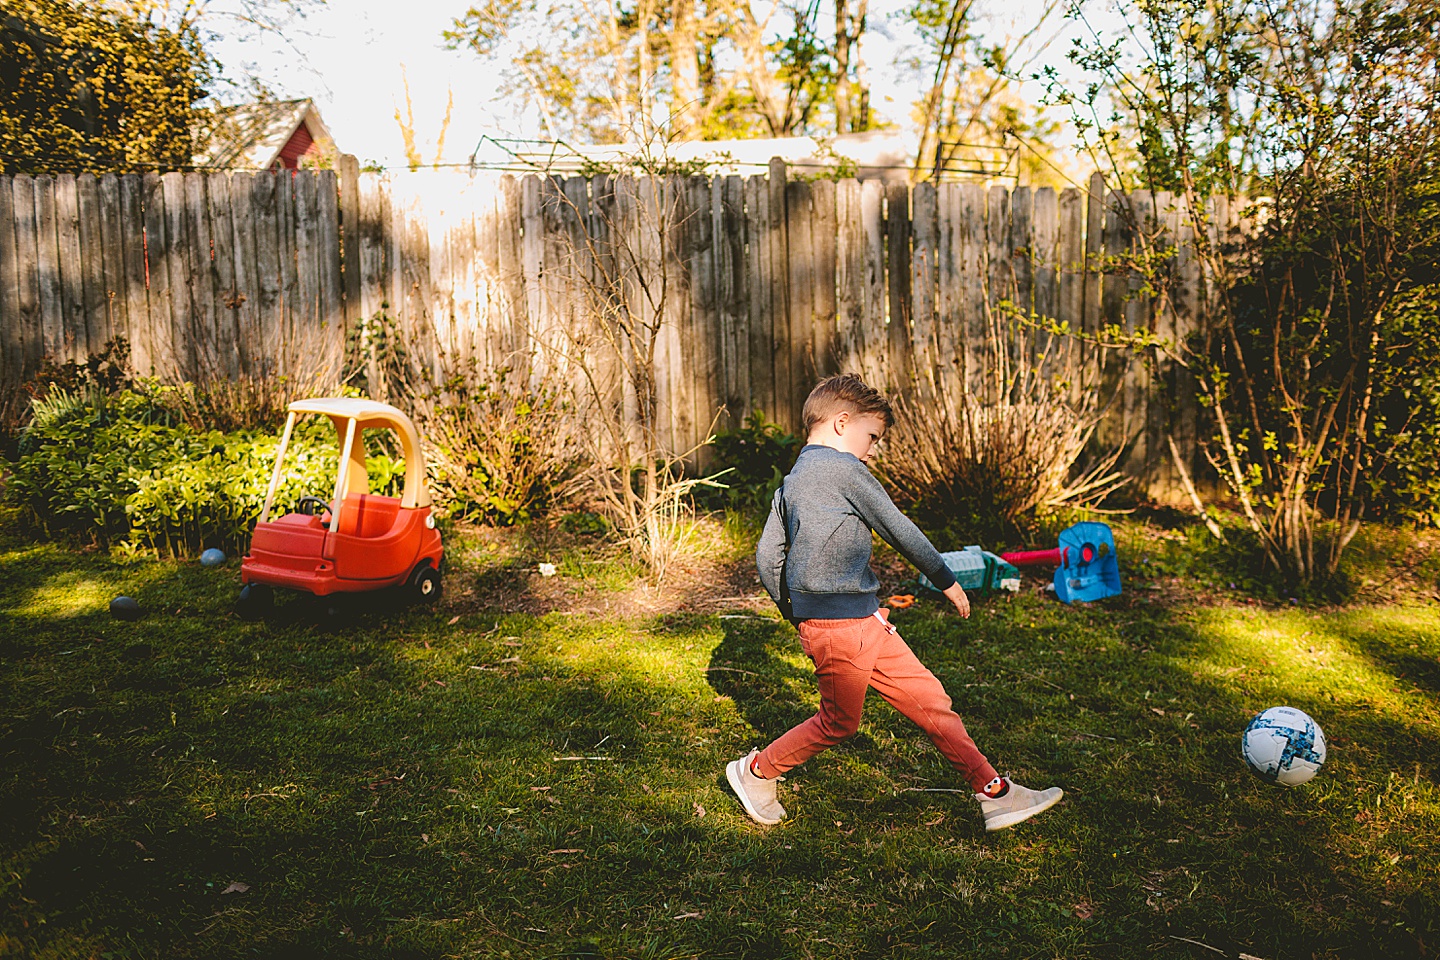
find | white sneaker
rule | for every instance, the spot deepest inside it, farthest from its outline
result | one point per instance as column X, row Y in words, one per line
column 757, row 795
column 1019, row 803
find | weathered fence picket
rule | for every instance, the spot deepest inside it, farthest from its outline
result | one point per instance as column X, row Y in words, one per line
column 759, row 285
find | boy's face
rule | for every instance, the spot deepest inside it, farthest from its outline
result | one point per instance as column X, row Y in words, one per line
column 858, row 433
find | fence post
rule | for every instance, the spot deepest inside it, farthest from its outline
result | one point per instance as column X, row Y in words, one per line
column 897, row 275
column 349, row 183
column 11, row 350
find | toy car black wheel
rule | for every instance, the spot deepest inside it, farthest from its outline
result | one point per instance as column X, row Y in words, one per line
column 255, row 600
column 333, row 610
column 425, row 584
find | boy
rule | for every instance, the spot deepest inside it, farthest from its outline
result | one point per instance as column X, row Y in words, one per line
column 814, row 560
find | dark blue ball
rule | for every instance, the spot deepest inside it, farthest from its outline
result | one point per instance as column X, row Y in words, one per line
column 124, row 608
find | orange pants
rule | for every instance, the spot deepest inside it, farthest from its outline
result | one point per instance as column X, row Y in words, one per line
column 851, row 656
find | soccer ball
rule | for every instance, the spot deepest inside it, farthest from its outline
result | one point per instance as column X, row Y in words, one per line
column 1283, row 745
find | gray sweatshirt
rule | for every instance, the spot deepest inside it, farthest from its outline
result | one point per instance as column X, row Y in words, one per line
column 814, row 556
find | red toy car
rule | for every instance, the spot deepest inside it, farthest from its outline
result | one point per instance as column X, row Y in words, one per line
column 356, row 542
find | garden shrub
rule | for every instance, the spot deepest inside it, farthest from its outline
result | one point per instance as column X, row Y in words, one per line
column 497, row 451
column 124, row 467
column 498, row 448
column 992, row 474
column 84, row 454
column 66, row 383
column 753, row 460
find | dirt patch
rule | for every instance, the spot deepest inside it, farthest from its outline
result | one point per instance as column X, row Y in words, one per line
column 499, row 571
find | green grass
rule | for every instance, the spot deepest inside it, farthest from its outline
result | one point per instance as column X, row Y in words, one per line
column 391, row 788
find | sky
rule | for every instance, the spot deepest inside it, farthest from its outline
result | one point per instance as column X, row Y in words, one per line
column 354, row 58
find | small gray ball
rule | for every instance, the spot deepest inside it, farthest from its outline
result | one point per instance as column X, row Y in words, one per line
column 124, row 608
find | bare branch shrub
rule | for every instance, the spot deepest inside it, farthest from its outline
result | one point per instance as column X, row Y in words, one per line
column 990, row 469
column 496, row 448
column 628, row 265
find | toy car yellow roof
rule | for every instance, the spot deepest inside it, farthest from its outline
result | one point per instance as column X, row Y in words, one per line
column 372, row 414
column 353, row 408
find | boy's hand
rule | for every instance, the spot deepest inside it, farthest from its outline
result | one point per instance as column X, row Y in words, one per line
column 956, row 595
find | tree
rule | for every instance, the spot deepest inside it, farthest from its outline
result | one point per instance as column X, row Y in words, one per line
column 972, row 112
column 1317, row 367
column 207, row 20
column 696, row 69
column 852, row 93
column 93, row 90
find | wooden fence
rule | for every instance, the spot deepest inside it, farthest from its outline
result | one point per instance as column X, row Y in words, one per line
column 768, row 283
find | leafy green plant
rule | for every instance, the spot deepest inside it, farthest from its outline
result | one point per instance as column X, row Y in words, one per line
column 124, row 468
column 83, row 455
column 585, row 523
column 213, row 500
column 753, row 459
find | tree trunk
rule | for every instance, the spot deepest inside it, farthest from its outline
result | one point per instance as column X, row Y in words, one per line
column 861, row 122
column 684, row 71
column 851, row 96
column 842, row 66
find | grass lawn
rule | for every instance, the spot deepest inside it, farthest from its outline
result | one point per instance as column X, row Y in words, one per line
column 463, row 782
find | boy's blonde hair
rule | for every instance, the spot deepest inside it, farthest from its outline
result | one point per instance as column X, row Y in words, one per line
column 844, row 392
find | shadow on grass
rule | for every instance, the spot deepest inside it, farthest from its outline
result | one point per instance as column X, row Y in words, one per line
column 1163, row 834
column 409, row 787
column 190, row 785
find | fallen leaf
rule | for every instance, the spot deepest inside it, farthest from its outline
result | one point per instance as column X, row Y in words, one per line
column 425, row 837
column 454, row 620
column 699, row 812
column 236, row 887
column 1157, row 710
column 1084, row 911
column 687, row 916
column 568, row 850
column 538, row 789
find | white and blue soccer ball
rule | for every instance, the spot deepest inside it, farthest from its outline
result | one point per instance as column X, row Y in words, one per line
column 1283, row 745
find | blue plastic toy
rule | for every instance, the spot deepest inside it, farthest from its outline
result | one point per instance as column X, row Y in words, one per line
column 1087, row 568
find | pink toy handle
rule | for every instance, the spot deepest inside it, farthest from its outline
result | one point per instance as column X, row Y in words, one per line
column 1034, row 558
